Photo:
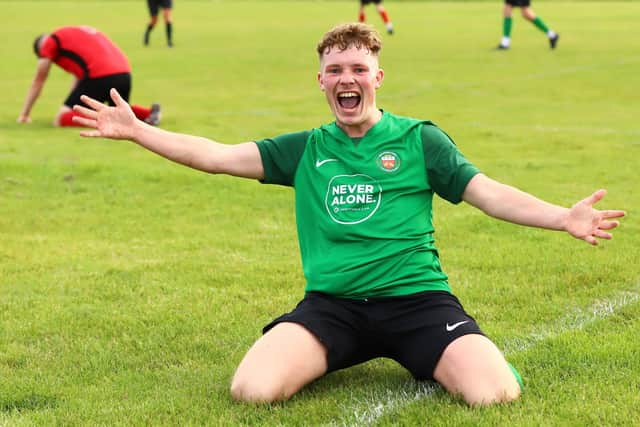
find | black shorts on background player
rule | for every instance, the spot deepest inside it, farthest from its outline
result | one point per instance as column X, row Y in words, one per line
column 519, row 3
column 99, row 89
column 155, row 5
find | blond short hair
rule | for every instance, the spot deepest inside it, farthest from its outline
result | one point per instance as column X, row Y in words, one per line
column 344, row 36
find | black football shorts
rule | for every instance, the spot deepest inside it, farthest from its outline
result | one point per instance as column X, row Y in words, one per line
column 155, row 5
column 413, row 330
column 519, row 3
column 98, row 89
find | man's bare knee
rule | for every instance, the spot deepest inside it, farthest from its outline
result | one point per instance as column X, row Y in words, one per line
column 279, row 364
column 473, row 368
column 244, row 390
column 499, row 394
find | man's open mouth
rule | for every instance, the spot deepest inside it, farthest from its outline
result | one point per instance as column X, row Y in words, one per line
column 348, row 99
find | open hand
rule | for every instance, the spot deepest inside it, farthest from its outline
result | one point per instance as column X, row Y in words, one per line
column 589, row 224
column 117, row 122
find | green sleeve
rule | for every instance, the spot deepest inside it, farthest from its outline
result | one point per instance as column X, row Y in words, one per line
column 448, row 170
column 280, row 156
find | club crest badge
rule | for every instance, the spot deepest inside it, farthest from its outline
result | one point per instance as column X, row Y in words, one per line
column 388, row 161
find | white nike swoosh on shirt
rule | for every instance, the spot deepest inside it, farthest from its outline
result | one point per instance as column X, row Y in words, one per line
column 455, row 325
column 322, row 162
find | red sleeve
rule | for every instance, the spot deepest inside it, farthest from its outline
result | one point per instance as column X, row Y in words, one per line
column 49, row 48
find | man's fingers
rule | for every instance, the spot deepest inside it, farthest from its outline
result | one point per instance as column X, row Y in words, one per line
column 96, row 105
column 595, row 197
column 83, row 121
column 608, row 225
column 613, row 214
column 84, row 111
column 117, row 99
column 603, row 235
column 90, row 133
column 591, row 240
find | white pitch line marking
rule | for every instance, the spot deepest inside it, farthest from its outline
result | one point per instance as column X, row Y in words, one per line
column 380, row 403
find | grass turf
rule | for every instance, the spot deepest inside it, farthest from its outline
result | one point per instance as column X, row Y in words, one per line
column 130, row 287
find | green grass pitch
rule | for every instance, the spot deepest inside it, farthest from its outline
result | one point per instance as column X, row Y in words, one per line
column 130, row 287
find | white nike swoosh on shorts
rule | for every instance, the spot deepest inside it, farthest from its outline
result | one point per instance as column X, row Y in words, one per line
column 455, row 325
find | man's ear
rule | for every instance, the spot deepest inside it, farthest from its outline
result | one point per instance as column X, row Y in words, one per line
column 379, row 78
column 320, row 82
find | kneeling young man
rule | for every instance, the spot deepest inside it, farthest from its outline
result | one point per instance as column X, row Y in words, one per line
column 364, row 185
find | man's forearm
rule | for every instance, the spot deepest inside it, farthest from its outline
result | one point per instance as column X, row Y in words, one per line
column 193, row 151
column 510, row 204
column 32, row 96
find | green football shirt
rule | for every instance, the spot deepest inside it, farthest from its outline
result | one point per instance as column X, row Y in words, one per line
column 364, row 206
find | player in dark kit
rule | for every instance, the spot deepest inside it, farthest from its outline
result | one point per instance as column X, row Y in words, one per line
column 364, row 187
column 528, row 14
column 154, row 9
column 381, row 11
column 97, row 65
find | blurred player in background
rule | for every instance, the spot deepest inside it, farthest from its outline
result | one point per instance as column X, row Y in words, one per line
column 97, row 65
column 154, row 8
column 381, row 10
column 529, row 15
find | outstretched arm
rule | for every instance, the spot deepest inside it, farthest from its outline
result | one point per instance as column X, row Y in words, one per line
column 119, row 122
column 42, row 72
column 504, row 202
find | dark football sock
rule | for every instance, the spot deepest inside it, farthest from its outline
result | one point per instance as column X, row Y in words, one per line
column 147, row 33
column 169, row 28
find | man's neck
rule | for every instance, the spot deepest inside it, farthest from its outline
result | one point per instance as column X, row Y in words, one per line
column 359, row 130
